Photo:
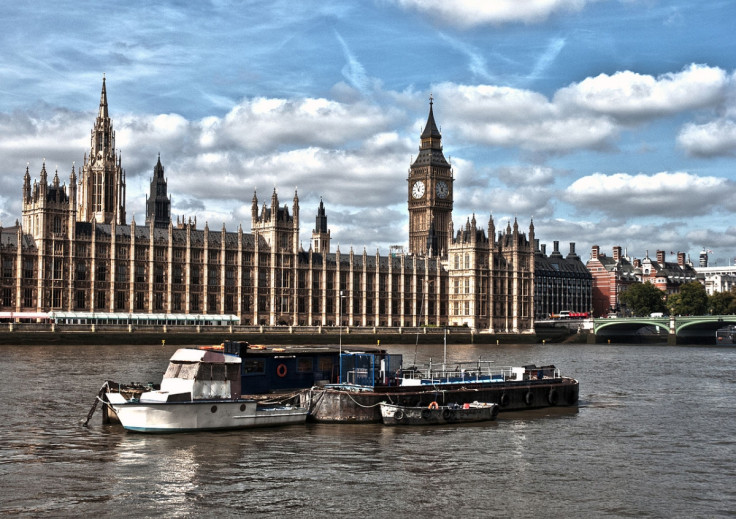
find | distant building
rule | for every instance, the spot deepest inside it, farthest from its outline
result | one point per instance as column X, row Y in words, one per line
column 75, row 251
column 560, row 283
column 717, row 279
column 613, row 275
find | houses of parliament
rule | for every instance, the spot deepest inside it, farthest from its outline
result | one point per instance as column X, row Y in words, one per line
column 74, row 251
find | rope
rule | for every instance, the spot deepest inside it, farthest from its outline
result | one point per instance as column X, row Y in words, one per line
column 98, row 398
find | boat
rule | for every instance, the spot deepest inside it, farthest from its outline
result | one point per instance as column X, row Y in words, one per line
column 201, row 390
column 726, row 336
column 367, row 379
column 392, row 414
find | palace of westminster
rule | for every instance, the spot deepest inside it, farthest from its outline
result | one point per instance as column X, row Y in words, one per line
column 74, row 251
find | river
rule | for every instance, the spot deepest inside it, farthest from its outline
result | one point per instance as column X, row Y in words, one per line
column 654, row 436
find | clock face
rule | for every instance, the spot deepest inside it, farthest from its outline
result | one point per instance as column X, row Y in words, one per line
column 442, row 189
column 417, row 191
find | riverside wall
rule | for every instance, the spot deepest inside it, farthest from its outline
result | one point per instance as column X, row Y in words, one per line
column 41, row 334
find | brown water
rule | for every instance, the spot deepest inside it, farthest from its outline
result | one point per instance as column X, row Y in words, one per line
column 654, row 436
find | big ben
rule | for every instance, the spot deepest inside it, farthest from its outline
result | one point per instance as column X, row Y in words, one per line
column 430, row 193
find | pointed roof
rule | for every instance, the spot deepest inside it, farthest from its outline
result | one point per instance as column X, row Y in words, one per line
column 103, row 101
column 158, row 169
column 430, row 129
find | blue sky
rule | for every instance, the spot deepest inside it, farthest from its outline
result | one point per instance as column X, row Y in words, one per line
column 608, row 122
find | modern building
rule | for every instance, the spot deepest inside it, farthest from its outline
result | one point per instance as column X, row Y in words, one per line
column 74, row 251
column 613, row 275
column 560, row 282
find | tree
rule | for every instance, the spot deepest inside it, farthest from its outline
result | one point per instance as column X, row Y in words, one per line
column 692, row 300
column 722, row 303
column 643, row 299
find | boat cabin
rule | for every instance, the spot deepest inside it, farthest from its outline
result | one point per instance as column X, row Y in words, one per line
column 268, row 369
column 195, row 374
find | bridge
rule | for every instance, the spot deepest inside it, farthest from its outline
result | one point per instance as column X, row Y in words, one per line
column 676, row 329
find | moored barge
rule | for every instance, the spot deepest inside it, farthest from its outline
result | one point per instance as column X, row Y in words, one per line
column 370, row 379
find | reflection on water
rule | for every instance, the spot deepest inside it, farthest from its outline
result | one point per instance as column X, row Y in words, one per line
column 653, row 436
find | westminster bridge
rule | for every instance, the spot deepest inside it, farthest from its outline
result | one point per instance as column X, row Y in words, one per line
column 676, row 329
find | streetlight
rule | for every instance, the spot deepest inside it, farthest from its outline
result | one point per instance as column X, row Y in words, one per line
column 339, row 324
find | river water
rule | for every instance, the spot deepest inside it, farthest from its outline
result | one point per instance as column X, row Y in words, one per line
column 654, row 436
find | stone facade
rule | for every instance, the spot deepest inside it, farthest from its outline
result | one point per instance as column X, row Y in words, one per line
column 560, row 283
column 74, row 251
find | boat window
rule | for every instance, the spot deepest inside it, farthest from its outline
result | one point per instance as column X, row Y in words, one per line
column 254, row 366
column 173, row 370
column 188, row 371
column 304, row 364
column 325, row 364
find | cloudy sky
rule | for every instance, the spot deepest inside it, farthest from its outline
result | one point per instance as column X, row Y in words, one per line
column 609, row 122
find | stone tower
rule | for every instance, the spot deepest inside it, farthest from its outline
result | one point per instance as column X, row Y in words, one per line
column 430, row 194
column 102, row 178
column 320, row 234
column 158, row 203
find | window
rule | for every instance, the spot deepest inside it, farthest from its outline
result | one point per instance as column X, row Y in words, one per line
column 100, row 303
column 81, row 271
column 81, row 298
column 28, row 298
column 7, row 299
column 120, row 300
column 140, row 273
column 304, row 364
column 7, row 267
column 28, row 268
column 140, row 301
column 57, row 225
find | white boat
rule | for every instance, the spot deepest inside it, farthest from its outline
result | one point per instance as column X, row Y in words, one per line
column 434, row 414
column 199, row 391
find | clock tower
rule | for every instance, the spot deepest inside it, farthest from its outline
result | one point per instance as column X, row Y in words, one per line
column 430, row 194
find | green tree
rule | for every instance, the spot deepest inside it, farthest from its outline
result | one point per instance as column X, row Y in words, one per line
column 643, row 299
column 722, row 303
column 692, row 300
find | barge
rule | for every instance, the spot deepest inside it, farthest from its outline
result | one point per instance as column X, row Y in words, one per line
column 369, row 379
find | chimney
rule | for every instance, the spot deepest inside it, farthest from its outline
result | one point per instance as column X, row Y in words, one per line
column 681, row 259
column 536, row 244
column 572, row 248
column 544, row 248
column 556, row 245
column 617, row 253
column 594, row 252
column 637, row 263
column 660, row 257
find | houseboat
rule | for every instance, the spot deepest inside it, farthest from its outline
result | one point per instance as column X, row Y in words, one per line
column 368, row 379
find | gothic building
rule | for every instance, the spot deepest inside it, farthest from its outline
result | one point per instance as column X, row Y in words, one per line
column 74, row 251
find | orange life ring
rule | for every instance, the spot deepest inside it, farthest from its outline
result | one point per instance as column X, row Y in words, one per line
column 281, row 370
column 433, row 405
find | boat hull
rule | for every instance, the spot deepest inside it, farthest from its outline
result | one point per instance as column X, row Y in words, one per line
column 206, row 415
column 399, row 415
column 330, row 405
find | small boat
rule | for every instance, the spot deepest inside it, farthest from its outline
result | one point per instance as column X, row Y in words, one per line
column 199, row 391
column 726, row 336
column 393, row 414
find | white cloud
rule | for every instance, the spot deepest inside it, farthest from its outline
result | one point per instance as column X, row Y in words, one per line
column 470, row 13
column 510, row 117
column 631, row 97
column 664, row 194
column 711, row 139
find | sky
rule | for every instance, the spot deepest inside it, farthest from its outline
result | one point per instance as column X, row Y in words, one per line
column 607, row 122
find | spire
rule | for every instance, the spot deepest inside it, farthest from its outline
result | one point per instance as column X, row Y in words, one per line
column 430, row 129
column 103, row 101
column 158, row 169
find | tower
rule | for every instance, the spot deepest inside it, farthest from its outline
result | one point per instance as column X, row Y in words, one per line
column 320, row 234
column 158, row 203
column 429, row 193
column 102, row 179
